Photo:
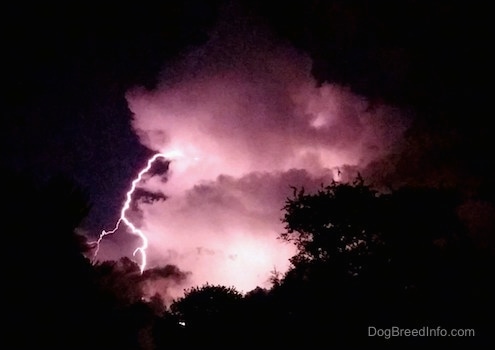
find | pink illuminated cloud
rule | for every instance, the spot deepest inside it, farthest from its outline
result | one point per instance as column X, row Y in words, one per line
column 243, row 120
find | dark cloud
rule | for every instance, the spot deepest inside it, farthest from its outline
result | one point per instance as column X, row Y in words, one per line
column 145, row 196
column 123, row 279
column 171, row 272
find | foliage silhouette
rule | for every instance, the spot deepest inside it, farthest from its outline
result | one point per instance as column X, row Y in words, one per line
column 402, row 258
column 50, row 290
column 53, row 296
column 208, row 303
column 209, row 311
column 365, row 259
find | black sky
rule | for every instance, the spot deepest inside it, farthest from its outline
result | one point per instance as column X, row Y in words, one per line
column 66, row 69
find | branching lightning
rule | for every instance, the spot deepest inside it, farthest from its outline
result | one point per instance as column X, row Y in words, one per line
column 123, row 218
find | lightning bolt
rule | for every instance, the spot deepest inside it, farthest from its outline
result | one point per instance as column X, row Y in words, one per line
column 123, row 218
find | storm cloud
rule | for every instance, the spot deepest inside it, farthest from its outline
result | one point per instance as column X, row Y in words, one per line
column 243, row 120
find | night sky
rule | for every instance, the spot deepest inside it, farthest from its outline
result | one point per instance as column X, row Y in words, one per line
column 398, row 93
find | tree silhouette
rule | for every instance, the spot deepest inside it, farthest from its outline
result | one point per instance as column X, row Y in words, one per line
column 209, row 311
column 53, row 296
column 369, row 259
column 337, row 221
column 50, row 294
column 365, row 259
column 207, row 304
